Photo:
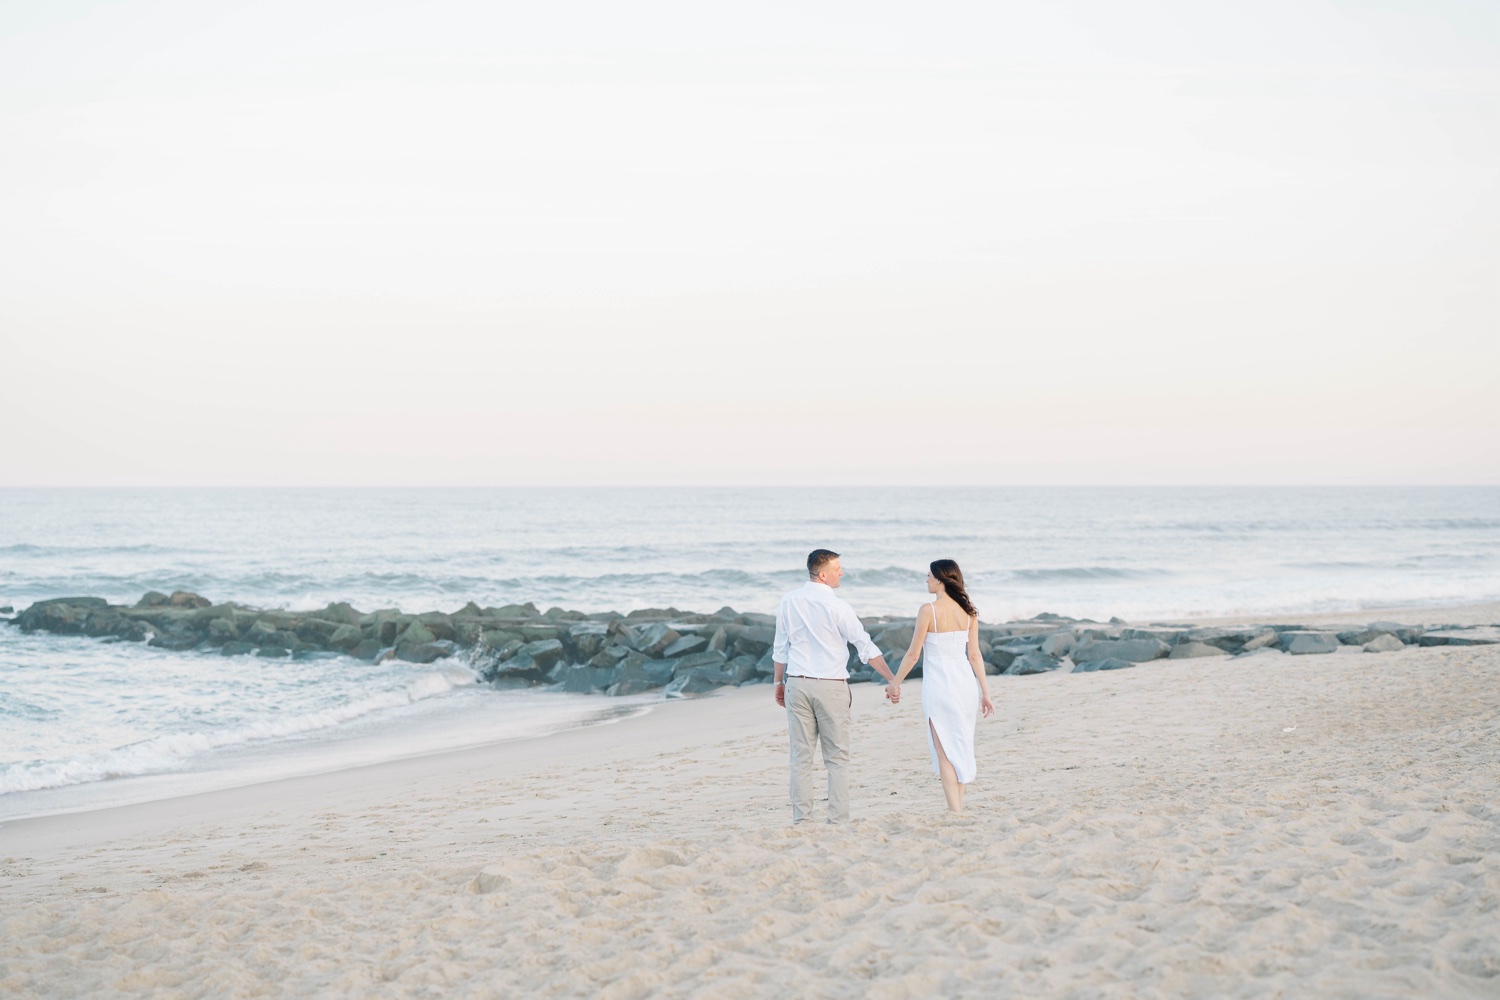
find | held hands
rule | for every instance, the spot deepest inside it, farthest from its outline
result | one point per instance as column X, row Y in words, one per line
column 893, row 692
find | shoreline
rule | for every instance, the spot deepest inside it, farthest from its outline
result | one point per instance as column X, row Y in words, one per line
column 72, row 799
column 1309, row 826
column 519, row 755
column 1467, row 615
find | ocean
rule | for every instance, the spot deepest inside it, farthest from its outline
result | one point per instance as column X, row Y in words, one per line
column 86, row 722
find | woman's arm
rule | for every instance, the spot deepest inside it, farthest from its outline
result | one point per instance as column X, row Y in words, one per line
column 918, row 633
column 986, row 707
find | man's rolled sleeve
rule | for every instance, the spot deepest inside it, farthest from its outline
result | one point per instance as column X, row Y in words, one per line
column 856, row 636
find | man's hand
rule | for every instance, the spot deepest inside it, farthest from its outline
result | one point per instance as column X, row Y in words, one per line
column 780, row 689
column 893, row 692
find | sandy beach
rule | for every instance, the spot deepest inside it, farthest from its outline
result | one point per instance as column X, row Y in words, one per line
column 1264, row 825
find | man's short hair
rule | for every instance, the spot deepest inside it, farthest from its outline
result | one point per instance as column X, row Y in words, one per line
column 818, row 558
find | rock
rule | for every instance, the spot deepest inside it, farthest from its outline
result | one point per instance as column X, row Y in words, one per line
column 1264, row 640
column 345, row 638
column 439, row 624
column 646, row 673
column 499, row 637
column 1309, row 643
column 1384, row 643
column 1166, row 635
column 719, row 641
column 545, row 652
column 1190, row 650
column 620, row 689
column 1360, row 636
column 366, row 649
column 175, row 640
column 894, row 641
column 340, row 614
column 1117, row 621
column 261, row 632
column 418, row 634
column 519, row 665
column 468, row 632
column 237, row 648
column 1032, row 663
column 153, row 599
column 697, row 661
column 1047, row 616
column 426, row 652
column 1230, row 640
column 611, row 656
column 1134, row 650
column 585, row 639
column 698, row 681
column 755, row 640
column 1456, row 637
column 650, row 640
column 316, row 631
column 1000, row 660
column 684, row 645
column 272, row 652
column 222, row 630
column 1408, row 634
column 1108, row 663
column 1058, row 644
column 386, row 629
column 188, row 599
column 742, row 669
column 63, row 615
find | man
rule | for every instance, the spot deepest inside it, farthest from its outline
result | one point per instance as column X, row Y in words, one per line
column 814, row 629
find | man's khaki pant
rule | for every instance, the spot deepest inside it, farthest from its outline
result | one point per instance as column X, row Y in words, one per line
column 818, row 711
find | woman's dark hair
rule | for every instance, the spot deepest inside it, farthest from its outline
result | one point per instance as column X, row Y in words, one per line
column 952, row 579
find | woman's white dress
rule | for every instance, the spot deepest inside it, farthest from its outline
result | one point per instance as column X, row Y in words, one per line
column 950, row 699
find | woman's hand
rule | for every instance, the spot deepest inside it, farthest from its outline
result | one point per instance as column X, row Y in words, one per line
column 986, row 707
column 893, row 692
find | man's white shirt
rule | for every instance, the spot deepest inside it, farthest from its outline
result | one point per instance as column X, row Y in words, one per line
column 814, row 629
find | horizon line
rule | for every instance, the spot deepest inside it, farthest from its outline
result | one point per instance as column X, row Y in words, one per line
column 742, row 486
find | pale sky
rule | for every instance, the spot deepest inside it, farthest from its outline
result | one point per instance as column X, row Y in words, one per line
column 362, row 243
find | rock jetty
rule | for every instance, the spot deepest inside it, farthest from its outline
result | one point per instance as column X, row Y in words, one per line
column 681, row 652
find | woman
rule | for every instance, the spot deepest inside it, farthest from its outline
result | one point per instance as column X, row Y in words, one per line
column 947, row 638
